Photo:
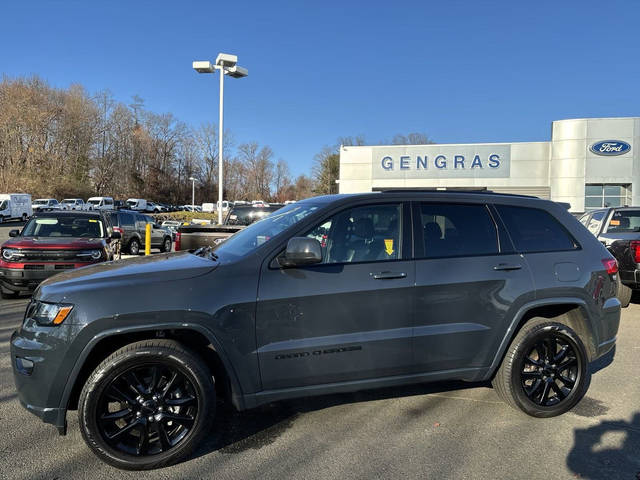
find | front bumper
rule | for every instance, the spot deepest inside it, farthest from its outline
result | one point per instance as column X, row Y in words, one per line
column 28, row 276
column 40, row 370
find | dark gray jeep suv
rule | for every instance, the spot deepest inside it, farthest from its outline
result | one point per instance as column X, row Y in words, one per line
column 330, row 294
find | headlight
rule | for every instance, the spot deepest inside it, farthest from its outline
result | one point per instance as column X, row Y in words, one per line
column 9, row 253
column 94, row 254
column 49, row 313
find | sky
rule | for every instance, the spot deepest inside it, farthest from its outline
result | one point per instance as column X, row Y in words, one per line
column 460, row 72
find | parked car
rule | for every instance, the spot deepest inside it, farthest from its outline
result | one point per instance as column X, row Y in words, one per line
column 101, row 203
column 137, row 204
column 73, row 204
column 197, row 235
column 618, row 229
column 153, row 207
column 45, row 205
column 50, row 243
column 172, row 226
column 132, row 228
column 15, row 206
column 406, row 287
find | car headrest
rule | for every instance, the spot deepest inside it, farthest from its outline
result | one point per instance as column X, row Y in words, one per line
column 363, row 228
column 432, row 231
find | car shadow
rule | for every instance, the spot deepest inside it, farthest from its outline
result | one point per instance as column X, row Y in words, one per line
column 635, row 296
column 236, row 432
column 610, row 449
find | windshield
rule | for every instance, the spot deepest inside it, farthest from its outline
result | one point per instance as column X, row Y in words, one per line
column 246, row 240
column 94, row 202
column 64, row 227
column 40, row 202
column 247, row 215
column 69, row 200
column 625, row 221
column 132, row 202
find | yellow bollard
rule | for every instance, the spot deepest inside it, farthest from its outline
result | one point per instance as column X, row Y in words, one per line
column 147, row 239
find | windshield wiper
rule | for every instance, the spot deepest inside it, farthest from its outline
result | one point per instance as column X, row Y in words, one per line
column 206, row 251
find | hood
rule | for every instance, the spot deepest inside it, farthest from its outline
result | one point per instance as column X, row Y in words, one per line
column 130, row 273
column 54, row 243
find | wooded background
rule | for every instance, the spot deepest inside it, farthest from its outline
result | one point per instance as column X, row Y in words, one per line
column 65, row 142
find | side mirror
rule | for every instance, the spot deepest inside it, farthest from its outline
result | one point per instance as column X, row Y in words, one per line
column 14, row 233
column 301, row 251
column 116, row 236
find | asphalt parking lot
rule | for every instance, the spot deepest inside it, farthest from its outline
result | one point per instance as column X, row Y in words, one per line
column 444, row 430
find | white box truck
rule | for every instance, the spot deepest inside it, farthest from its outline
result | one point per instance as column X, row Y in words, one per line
column 15, row 206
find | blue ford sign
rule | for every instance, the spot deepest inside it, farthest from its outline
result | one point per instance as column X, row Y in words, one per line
column 610, row 147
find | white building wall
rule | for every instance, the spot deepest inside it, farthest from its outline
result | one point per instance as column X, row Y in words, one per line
column 558, row 169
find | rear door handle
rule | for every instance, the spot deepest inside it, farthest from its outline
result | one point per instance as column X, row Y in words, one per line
column 387, row 275
column 507, row 266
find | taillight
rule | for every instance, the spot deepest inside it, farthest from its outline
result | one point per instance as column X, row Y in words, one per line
column 178, row 240
column 611, row 265
column 118, row 229
column 635, row 250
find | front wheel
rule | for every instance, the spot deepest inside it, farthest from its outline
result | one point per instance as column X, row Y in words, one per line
column 545, row 370
column 147, row 405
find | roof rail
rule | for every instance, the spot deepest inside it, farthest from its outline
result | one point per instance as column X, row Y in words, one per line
column 450, row 192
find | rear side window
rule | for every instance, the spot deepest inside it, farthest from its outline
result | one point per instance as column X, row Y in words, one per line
column 126, row 220
column 534, row 230
column 454, row 230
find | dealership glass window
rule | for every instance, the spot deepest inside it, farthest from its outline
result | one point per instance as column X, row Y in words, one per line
column 600, row 195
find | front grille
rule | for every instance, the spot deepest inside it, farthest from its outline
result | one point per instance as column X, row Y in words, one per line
column 34, row 267
column 50, row 256
column 67, row 266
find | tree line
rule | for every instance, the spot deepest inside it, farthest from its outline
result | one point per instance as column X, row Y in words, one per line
column 65, row 142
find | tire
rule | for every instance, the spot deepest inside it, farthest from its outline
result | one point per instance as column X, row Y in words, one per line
column 525, row 376
column 166, row 245
column 1, row 219
column 8, row 294
column 624, row 295
column 134, row 246
column 189, row 399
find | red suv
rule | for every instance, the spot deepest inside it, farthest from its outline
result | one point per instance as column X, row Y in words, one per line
column 51, row 243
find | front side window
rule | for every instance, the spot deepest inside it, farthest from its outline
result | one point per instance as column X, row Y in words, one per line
column 534, row 230
column 363, row 234
column 4, row 204
column 454, row 230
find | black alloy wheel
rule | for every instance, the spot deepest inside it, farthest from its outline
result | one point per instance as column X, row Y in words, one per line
column 545, row 370
column 147, row 410
column 550, row 370
column 147, row 405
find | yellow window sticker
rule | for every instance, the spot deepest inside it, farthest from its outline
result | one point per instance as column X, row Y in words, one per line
column 388, row 245
column 614, row 222
column 93, row 221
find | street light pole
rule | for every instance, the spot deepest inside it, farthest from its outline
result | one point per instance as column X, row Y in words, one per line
column 227, row 65
column 193, row 193
column 220, row 133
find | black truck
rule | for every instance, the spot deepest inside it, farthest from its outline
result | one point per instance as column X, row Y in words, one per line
column 618, row 229
column 189, row 237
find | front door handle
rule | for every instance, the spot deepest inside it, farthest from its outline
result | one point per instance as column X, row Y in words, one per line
column 507, row 266
column 387, row 275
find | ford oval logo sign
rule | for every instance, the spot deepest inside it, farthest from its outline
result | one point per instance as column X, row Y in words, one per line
column 610, row 147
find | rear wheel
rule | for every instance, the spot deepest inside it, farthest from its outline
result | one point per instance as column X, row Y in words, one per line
column 544, row 372
column 134, row 247
column 624, row 295
column 166, row 245
column 148, row 405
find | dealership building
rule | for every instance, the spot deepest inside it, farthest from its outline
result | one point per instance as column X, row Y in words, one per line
column 588, row 163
